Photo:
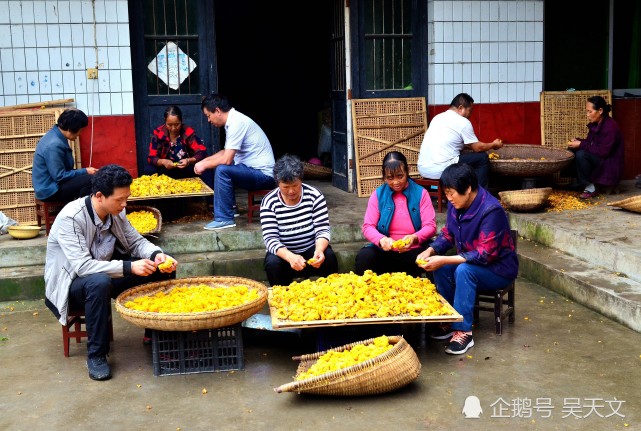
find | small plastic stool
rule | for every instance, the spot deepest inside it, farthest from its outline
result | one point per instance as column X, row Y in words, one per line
column 438, row 193
column 47, row 212
column 254, row 197
column 74, row 329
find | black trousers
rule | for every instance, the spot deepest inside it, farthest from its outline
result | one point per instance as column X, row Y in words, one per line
column 381, row 261
column 93, row 293
column 480, row 162
column 72, row 189
column 280, row 273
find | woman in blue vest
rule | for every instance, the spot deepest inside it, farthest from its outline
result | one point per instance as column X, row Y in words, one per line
column 398, row 210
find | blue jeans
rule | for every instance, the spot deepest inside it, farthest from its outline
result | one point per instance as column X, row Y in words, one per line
column 458, row 284
column 480, row 162
column 229, row 176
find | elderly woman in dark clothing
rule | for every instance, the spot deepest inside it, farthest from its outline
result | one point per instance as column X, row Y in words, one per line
column 598, row 157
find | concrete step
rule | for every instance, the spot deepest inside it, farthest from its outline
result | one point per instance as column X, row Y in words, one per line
column 27, row 282
column 608, row 292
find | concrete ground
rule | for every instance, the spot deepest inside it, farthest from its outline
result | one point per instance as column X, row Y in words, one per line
column 561, row 366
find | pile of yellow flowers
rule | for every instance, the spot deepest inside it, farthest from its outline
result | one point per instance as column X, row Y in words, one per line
column 142, row 221
column 494, row 156
column 194, row 299
column 159, row 185
column 561, row 200
column 349, row 296
column 333, row 361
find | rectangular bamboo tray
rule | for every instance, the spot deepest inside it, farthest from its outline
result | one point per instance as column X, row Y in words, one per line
column 289, row 324
column 204, row 191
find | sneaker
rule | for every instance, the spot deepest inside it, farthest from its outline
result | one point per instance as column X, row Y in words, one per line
column 236, row 212
column 442, row 332
column 459, row 343
column 588, row 195
column 98, row 368
column 217, row 225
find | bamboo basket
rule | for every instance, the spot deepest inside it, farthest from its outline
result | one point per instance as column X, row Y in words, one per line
column 631, row 204
column 387, row 372
column 525, row 200
column 190, row 321
column 315, row 172
column 154, row 211
column 523, row 160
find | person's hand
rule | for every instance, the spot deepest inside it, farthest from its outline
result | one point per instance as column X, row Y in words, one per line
column 199, row 168
column 408, row 241
column 386, row 243
column 574, row 143
column 432, row 263
column 183, row 164
column 165, row 263
column 497, row 143
column 317, row 260
column 425, row 255
column 166, row 163
column 297, row 262
column 91, row 170
column 143, row 267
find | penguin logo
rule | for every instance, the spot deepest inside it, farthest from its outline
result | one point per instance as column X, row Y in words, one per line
column 472, row 408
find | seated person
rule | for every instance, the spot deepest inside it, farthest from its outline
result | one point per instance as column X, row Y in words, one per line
column 599, row 157
column 175, row 148
column 247, row 161
column 295, row 225
column 93, row 255
column 478, row 227
column 450, row 139
column 54, row 177
column 400, row 209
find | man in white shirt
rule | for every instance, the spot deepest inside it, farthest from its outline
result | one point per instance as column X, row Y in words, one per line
column 246, row 161
column 446, row 139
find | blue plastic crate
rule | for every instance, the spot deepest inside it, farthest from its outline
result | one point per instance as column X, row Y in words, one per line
column 204, row 351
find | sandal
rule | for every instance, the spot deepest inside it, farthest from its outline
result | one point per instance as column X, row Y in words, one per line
column 588, row 195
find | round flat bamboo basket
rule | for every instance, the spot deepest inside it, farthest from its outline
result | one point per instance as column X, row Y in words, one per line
column 387, row 372
column 154, row 211
column 315, row 172
column 190, row 321
column 525, row 200
column 522, row 160
column 631, row 204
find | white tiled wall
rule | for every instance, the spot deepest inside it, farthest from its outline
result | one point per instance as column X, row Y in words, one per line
column 46, row 47
column 492, row 50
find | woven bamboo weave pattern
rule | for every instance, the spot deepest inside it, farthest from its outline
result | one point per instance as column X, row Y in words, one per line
column 387, row 372
column 631, row 204
column 20, row 132
column 524, row 160
column 525, row 200
column 154, row 211
column 563, row 115
column 190, row 321
column 381, row 126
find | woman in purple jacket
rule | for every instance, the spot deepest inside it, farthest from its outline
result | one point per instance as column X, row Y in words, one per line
column 598, row 157
column 478, row 227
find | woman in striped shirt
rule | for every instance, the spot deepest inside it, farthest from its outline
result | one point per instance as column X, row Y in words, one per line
column 295, row 227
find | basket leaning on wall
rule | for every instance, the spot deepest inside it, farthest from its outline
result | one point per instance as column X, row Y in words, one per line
column 387, row 372
column 191, row 321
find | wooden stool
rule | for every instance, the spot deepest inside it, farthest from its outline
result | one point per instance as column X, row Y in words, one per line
column 47, row 212
column 496, row 298
column 438, row 193
column 74, row 329
column 254, row 197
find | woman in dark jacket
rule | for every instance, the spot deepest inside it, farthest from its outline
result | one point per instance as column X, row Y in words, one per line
column 598, row 157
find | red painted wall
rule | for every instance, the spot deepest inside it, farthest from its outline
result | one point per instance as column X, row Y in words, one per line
column 114, row 141
column 627, row 114
column 514, row 123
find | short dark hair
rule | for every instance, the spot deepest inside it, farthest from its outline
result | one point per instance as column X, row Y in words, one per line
column 213, row 101
column 72, row 120
column 462, row 99
column 108, row 178
column 395, row 161
column 459, row 176
column 174, row 111
column 288, row 168
column 599, row 103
